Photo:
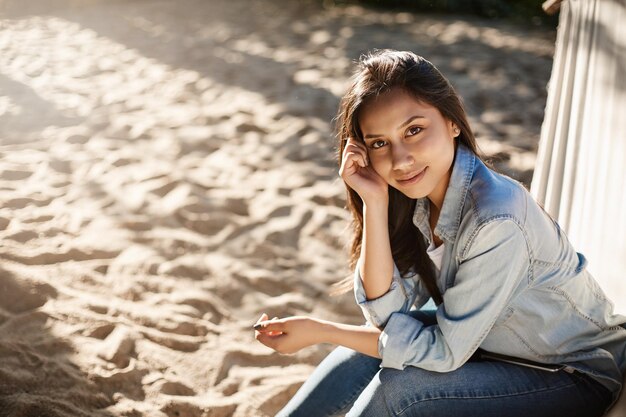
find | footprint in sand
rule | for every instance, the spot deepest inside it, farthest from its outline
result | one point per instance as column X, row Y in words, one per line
column 278, row 397
column 183, row 328
column 179, row 408
column 204, row 223
column 100, row 331
column 60, row 166
column 44, row 257
column 136, row 259
column 14, row 175
column 164, row 186
column 241, row 359
column 263, row 281
column 282, row 227
column 183, row 267
column 4, row 223
column 173, row 341
column 23, row 202
column 77, row 139
column 23, row 236
column 127, row 381
column 18, row 294
column 236, row 205
column 137, row 223
column 118, row 347
column 164, row 386
column 39, row 219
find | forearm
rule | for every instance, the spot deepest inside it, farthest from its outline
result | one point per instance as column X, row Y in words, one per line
column 359, row 338
column 375, row 262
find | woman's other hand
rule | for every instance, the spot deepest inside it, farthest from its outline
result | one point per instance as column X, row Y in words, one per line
column 288, row 335
column 359, row 174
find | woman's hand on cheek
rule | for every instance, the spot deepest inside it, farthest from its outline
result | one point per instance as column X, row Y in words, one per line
column 288, row 335
column 358, row 173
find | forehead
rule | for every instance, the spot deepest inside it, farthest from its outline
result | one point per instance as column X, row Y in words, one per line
column 390, row 109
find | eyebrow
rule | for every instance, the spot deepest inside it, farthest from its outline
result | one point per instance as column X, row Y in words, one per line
column 409, row 120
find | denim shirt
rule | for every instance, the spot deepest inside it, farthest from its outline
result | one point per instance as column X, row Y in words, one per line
column 511, row 284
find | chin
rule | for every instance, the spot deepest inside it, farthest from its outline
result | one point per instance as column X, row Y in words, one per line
column 413, row 194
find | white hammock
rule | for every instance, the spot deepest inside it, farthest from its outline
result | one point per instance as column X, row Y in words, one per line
column 580, row 174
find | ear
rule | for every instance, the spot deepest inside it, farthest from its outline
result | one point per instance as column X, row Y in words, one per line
column 453, row 129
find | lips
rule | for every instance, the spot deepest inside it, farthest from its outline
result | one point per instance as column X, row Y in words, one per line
column 413, row 177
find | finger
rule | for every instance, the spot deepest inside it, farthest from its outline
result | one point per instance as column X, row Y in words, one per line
column 357, row 148
column 356, row 158
column 256, row 326
column 269, row 341
column 263, row 317
column 361, row 154
column 260, row 334
column 354, row 148
column 273, row 333
column 270, row 326
column 357, row 145
column 266, row 327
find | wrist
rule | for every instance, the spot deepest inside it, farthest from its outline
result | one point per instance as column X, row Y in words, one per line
column 363, row 339
column 379, row 205
column 326, row 329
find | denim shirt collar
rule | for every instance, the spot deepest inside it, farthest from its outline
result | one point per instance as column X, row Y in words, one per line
column 453, row 202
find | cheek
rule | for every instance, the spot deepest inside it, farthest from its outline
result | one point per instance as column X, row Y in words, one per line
column 447, row 155
column 380, row 166
column 443, row 145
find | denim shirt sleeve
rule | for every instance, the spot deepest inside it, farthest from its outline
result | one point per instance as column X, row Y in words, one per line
column 495, row 263
column 402, row 294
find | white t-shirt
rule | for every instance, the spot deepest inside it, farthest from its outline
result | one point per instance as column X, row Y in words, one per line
column 436, row 254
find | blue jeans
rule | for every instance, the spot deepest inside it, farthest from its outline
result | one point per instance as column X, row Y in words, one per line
column 350, row 383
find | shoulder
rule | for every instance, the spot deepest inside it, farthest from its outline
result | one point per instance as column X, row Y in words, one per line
column 494, row 213
column 494, row 196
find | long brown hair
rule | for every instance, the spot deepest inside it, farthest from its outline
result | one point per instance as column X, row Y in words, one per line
column 379, row 72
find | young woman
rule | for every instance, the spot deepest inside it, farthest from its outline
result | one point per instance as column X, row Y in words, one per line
column 520, row 327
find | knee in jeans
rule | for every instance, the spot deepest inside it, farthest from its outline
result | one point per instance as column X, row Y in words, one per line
column 372, row 402
column 404, row 389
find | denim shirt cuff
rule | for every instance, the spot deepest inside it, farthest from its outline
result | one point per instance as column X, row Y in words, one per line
column 378, row 310
column 396, row 338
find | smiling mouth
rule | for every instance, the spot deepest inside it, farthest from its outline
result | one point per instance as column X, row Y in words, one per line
column 414, row 178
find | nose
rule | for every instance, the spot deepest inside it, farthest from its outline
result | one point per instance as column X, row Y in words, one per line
column 401, row 158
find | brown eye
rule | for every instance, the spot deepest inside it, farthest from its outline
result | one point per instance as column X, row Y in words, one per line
column 414, row 130
column 377, row 144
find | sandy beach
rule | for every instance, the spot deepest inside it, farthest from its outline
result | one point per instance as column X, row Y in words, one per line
column 167, row 174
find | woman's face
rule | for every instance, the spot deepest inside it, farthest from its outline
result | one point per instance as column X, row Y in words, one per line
column 409, row 144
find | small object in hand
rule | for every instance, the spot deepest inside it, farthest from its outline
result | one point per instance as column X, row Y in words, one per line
column 257, row 326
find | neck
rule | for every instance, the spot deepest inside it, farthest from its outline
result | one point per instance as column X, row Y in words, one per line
column 436, row 203
column 437, row 196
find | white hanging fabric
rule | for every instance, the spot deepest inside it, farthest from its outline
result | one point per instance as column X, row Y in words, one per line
column 580, row 173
